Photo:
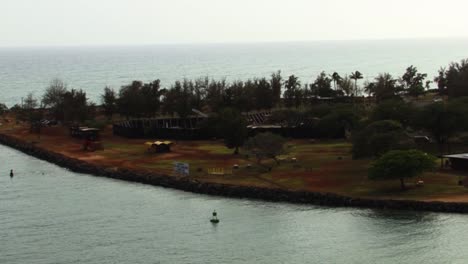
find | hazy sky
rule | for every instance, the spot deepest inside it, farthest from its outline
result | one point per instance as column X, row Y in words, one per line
column 121, row 22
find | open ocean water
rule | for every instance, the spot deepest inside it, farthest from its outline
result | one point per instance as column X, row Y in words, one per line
column 24, row 70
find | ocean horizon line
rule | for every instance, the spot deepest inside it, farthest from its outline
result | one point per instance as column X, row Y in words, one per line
column 229, row 43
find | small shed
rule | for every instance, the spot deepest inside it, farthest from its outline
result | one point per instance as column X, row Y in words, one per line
column 159, row 146
column 87, row 133
column 90, row 133
column 458, row 161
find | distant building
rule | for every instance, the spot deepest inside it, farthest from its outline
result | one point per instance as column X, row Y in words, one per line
column 195, row 127
column 458, row 161
column 88, row 133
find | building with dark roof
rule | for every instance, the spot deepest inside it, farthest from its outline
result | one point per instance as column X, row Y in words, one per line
column 458, row 161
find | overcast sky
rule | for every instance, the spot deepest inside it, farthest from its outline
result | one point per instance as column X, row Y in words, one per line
column 123, row 22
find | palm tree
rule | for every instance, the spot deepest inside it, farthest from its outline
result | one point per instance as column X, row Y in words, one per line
column 293, row 93
column 336, row 79
column 356, row 76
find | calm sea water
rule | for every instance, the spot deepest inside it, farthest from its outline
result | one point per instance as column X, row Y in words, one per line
column 24, row 70
column 51, row 215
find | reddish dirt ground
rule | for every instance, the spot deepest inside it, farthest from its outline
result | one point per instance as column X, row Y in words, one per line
column 325, row 167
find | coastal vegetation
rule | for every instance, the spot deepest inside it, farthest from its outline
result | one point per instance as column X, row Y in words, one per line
column 139, row 99
column 452, row 81
column 265, row 146
column 401, row 164
column 358, row 129
column 378, row 138
column 3, row 109
column 231, row 126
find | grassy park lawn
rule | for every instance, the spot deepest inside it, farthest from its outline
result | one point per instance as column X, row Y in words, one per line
column 322, row 166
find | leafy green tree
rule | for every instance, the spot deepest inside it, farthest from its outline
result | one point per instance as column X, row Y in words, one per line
column 263, row 94
column 54, row 93
column 199, row 92
column 30, row 102
column 384, row 87
column 140, row 99
column 109, row 102
column 214, row 95
column 319, row 110
column 179, row 98
column 248, row 93
column 298, row 97
column 151, row 94
column 412, row 82
column 29, row 107
column 441, row 81
column 53, row 98
column 456, row 78
column 232, row 126
column 401, row 164
column 443, row 120
column 276, row 85
column 31, row 113
column 286, row 116
column 76, row 107
column 394, row 109
column 378, row 138
column 130, row 102
column 322, row 86
column 3, row 109
column 17, row 110
column 239, row 96
column 337, row 122
column 356, row 76
column 265, row 145
column 292, row 95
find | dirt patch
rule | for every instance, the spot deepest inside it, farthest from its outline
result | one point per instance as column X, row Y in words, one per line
column 318, row 167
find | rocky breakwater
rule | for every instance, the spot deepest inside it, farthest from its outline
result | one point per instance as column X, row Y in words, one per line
column 192, row 185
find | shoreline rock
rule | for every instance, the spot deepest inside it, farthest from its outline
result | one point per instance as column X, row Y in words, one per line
column 224, row 190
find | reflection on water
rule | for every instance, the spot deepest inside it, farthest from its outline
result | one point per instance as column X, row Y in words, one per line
column 51, row 215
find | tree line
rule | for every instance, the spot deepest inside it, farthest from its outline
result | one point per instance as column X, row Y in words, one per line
column 58, row 103
column 393, row 125
column 139, row 99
